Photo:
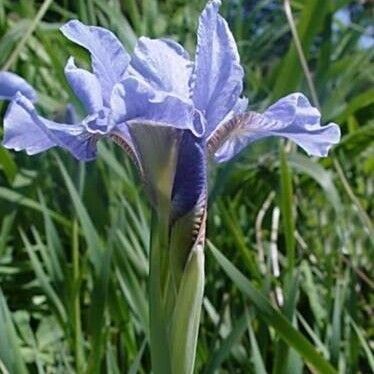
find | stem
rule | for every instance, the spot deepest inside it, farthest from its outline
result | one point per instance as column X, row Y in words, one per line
column 158, row 332
column 300, row 52
column 77, row 332
column 13, row 57
column 287, row 210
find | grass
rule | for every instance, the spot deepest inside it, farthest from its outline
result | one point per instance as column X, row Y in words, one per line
column 74, row 237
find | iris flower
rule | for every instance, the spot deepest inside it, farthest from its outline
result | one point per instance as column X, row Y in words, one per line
column 170, row 113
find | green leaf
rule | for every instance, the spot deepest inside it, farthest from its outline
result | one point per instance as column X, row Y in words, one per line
column 17, row 198
column 10, row 353
column 323, row 177
column 186, row 318
column 273, row 317
column 227, row 344
column 309, row 24
column 286, row 198
column 8, row 165
column 94, row 243
column 44, row 281
column 258, row 362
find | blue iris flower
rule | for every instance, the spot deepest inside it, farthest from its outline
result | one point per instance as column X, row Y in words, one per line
column 160, row 98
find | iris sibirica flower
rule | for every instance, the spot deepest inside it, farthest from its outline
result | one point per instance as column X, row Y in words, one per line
column 170, row 113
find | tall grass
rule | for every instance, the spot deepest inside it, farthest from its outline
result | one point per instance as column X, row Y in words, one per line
column 290, row 238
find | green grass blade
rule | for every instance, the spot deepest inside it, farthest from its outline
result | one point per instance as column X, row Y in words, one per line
column 8, row 165
column 10, row 353
column 273, row 317
column 287, row 205
column 227, row 344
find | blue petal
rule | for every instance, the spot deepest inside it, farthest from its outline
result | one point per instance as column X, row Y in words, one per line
column 21, row 133
column 85, row 85
column 135, row 102
column 291, row 117
column 109, row 58
column 190, row 183
column 11, row 83
column 218, row 73
column 24, row 129
column 100, row 123
column 71, row 115
column 164, row 64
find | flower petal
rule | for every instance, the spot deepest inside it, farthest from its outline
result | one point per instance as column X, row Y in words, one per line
column 20, row 132
column 291, row 117
column 11, row 83
column 71, row 115
column 109, row 58
column 24, row 129
column 218, row 73
column 85, row 85
column 164, row 64
column 190, row 183
column 134, row 102
column 189, row 203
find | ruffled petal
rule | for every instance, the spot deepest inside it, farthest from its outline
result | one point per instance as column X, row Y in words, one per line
column 109, row 58
column 136, row 102
column 218, row 75
column 24, row 129
column 291, row 117
column 11, row 83
column 85, row 85
column 163, row 64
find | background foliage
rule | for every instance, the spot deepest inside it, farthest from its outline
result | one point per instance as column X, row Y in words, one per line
column 74, row 237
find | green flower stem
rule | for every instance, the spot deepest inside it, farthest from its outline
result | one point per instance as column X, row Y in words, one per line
column 175, row 307
column 76, row 309
column 158, row 324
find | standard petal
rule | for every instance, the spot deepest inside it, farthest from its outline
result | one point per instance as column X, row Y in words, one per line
column 135, row 102
column 11, row 83
column 85, row 85
column 218, row 75
column 109, row 58
column 291, row 117
column 164, row 64
column 24, row 129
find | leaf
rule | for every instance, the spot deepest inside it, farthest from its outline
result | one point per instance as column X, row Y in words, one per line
column 363, row 343
column 17, row 198
column 227, row 344
column 94, row 243
column 273, row 317
column 309, row 24
column 8, row 165
column 286, row 198
column 44, row 281
column 10, row 353
column 323, row 177
column 186, row 317
column 358, row 102
column 258, row 362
